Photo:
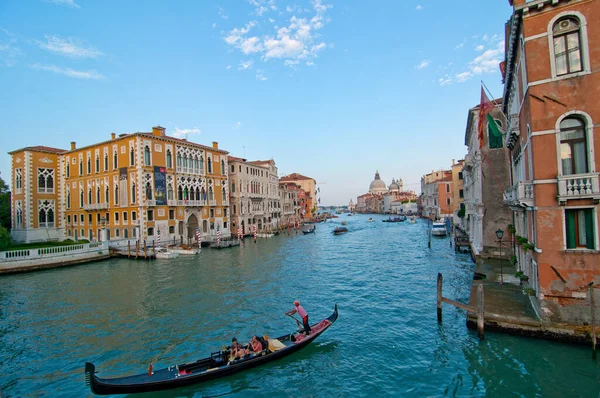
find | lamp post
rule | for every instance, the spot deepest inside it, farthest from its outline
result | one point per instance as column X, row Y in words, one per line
column 500, row 234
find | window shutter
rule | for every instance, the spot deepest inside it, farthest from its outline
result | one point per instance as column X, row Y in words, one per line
column 571, row 232
column 589, row 229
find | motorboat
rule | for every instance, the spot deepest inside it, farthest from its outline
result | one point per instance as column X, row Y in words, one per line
column 163, row 253
column 439, row 228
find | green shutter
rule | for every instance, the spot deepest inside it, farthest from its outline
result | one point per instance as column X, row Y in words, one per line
column 589, row 229
column 571, row 232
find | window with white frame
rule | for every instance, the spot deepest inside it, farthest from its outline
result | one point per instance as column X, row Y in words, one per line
column 566, row 37
column 18, row 180
column 18, row 214
column 147, row 155
column 46, row 213
column 573, row 146
column 45, row 180
column 579, row 228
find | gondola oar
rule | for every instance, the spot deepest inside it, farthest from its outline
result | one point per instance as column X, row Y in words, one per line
column 300, row 326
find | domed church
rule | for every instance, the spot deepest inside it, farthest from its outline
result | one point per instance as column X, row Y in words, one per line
column 377, row 186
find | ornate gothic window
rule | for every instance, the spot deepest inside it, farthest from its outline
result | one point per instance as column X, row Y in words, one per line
column 115, row 160
column 133, row 193
column 211, row 195
column 46, row 213
column 170, row 192
column 97, row 163
column 106, row 162
column 45, row 180
column 132, row 157
column 209, row 161
column 169, row 159
column 223, row 167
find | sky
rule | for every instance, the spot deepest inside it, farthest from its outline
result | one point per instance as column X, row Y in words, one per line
column 335, row 90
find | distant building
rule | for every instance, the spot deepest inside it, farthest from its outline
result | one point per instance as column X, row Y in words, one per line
column 309, row 186
column 380, row 198
column 351, row 206
column 436, row 194
column 377, row 185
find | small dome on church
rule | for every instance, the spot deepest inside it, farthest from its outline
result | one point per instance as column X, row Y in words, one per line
column 377, row 186
column 394, row 186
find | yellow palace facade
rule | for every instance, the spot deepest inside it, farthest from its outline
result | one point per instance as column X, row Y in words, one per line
column 134, row 186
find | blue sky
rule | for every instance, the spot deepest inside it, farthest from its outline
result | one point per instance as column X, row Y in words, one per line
column 331, row 89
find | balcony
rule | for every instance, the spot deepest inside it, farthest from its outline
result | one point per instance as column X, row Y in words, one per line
column 171, row 202
column 212, row 202
column 96, row 206
column 578, row 186
column 151, row 202
column 190, row 203
column 519, row 195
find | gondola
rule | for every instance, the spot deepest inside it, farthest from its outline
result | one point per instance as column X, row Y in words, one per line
column 340, row 230
column 215, row 366
column 309, row 230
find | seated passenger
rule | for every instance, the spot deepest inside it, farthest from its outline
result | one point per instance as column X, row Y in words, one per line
column 236, row 350
column 255, row 345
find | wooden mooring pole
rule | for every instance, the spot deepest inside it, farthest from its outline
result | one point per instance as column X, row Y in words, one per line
column 128, row 249
column 440, row 279
column 429, row 233
column 593, row 308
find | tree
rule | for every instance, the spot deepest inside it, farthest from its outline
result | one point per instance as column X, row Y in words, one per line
column 5, row 238
column 4, row 205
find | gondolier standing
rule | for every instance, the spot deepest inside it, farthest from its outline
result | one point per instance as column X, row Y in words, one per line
column 302, row 312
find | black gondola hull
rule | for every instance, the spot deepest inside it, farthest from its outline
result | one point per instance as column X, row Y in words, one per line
column 169, row 378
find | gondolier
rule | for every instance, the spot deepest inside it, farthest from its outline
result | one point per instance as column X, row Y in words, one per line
column 302, row 312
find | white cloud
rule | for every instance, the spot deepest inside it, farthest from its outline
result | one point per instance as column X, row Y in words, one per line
column 68, row 47
column 214, row 25
column 479, row 47
column 259, row 75
column 222, row 13
column 445, row 80
column 236, row 125
column 90, row 74
column 8, row 52
column 487, row 62
column 424, row 64
column 419, row 7
column 461, row 45
column 228, row 67
column 245, row 65
column 184, row 133
column 463, row 77
column 296, row 42
column 68, row 3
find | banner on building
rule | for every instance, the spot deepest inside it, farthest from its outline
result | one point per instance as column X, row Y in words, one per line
column 160, row 185
column 123, row 187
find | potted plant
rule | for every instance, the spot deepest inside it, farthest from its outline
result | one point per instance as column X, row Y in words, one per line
column 529, row 291
column 513, row 260
column 528, row 246
column 511, row 229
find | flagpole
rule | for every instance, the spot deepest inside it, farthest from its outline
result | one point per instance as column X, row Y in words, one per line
column 493, row 100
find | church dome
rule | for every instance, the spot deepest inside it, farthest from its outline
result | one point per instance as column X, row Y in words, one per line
column 377, row 186
column 394, row 186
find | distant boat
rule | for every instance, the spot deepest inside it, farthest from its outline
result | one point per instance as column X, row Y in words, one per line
column 439, row 229
column 309, row 230
column 340, row 230
column 344, row 222
column 165, row 254
column 412, row 220
column 395, row 219
column 370, row 219
column 179, row 250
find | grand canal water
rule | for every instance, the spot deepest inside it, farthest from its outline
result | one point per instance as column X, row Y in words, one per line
column 123, row 314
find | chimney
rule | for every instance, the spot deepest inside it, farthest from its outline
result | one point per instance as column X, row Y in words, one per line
column 453, row 161
column 215, row 145
column 112, row 136
column 158, row 131
column 73, row 145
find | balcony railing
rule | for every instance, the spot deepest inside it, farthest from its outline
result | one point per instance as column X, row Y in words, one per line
column 212, row 202
column 151, row 202
column 578, row 186
column 171, row 202
column 188, row 203
column 520, row 194
column 96, row 206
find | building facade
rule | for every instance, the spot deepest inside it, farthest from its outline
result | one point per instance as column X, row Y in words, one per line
column 552, row 86
column 255, row 199
column 436, row 194
column 308, row 200
column 136, row 186
column 486, row 173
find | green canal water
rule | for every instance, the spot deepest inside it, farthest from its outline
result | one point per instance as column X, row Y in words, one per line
column 123, row 315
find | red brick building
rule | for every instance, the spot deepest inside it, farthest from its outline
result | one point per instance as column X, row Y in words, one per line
column 552, row 101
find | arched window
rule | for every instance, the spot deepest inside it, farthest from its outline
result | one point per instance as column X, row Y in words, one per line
column 107, row 195
column 97, row 163
column 201, row 163
column 80, row 167
column 148, row 191
column 566, row 35
column 147, row 155
column 116, row 194
column 185, row 194
column 179, row 193
column 97, row 194
column 195, row 162
column 50, row 217
column 203, row 194
column 205, row 226
column 209, row 165
column 170, row 192
column 89, row 195
column 81, row 198
column 223, row 167
column 132, row 157
column 211, row 195
column 185, row 161
column 42, row 217
column 573, row 146
column 169, row 159
column 106, row 162
column 115, row 160
column 125, row 233
column 68, row 170
column 224, row 195
column 68, row 200
column 133, row 193
column 89, row 165
column 178, row 160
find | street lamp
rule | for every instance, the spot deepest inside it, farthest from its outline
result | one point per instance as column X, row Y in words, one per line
column 500, row 234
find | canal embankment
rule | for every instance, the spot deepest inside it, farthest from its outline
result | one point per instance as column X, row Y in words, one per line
column 511, row 307
column 25, row 260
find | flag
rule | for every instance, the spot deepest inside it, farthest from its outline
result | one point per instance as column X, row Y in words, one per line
column 495, row 133
column 485, row 106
